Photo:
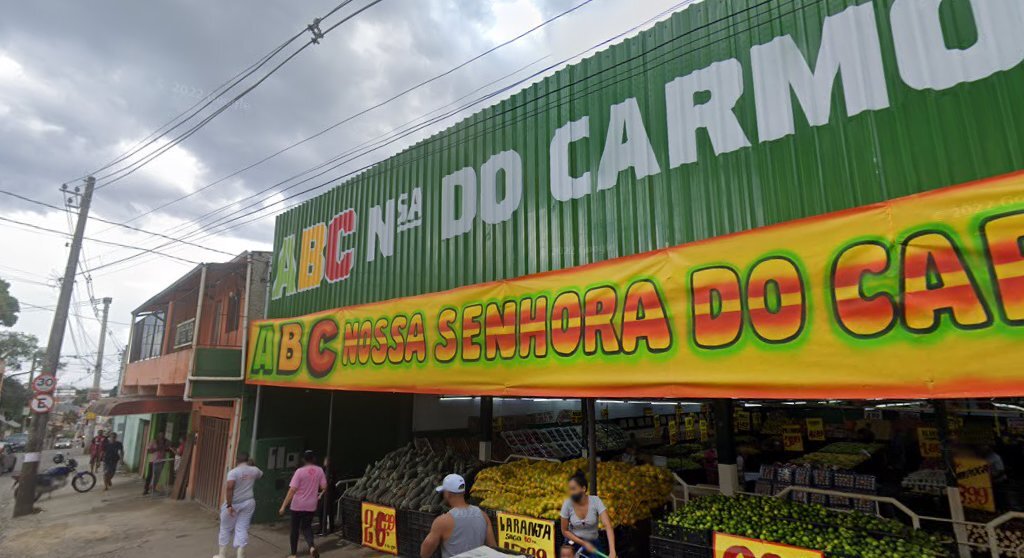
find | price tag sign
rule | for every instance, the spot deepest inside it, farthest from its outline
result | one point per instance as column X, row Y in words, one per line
column 577, row 417
column 742, row 421
column 44, row 383
column 975, row 482
column 1015, row 425
column 604, row 413
column 792, row 439
column 756, row 420
column 731, row 546
column 873, row 414
column 703, row 428
column 648, row 412
column 928, row 442
column 673, row 431
column 41, row 403
column 816, row 430
column 689, row 427
column 380, row 528
column 526, row 536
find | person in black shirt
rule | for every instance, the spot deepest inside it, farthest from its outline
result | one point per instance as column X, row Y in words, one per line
column 113, row 453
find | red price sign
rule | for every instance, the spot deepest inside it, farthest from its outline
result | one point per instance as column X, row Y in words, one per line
column 731, row 546
column 792, row 439
column 928, row 442
column 975, row 481
column 380, row 528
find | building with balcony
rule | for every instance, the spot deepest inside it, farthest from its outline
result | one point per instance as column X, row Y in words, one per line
column 183, row 378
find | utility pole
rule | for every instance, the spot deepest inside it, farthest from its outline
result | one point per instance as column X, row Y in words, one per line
column 94, row 393
column 25, row 496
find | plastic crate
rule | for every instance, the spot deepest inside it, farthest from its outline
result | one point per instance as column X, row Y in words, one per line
column 351, row 519
column 682, row 534
column 668, row 548
column 413, row 527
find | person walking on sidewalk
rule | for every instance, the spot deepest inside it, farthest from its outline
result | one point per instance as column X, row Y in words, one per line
column 113, row 453
column 462, row 529
column 239, row 505
column 96, row 451
column 307, row 485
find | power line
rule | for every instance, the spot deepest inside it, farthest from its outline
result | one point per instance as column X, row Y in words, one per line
column 367, row 110
column 127, row 171
column 114, row 223
column 62, row 233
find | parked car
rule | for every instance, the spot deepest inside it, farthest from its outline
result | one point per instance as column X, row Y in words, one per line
column 7, row 458
column 17, row 442
column 62, row 443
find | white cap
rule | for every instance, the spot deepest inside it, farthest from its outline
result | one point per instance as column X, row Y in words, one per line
column 453, row 483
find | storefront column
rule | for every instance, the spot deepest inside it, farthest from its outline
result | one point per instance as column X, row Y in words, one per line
column 330, row 426
column 486, row 427
column 255, row 422
column 956, row 508
column 590, row 422
column 725, row 447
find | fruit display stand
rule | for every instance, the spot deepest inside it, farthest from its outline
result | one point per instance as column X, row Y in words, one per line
column 837, row 534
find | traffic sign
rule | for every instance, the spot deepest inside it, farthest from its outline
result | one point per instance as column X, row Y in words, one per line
column 41, row 403
column 44, row 383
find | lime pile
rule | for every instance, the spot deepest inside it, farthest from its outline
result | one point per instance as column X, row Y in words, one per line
column 853, row 535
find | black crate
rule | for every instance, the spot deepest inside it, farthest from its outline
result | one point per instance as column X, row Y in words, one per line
column 682, row 534
column 413, row 527
column 351, row 519
column 668, row 548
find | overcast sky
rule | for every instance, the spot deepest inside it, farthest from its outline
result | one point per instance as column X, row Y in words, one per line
column 81, row 82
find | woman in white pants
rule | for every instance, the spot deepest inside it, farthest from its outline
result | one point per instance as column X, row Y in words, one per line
column 239, row 505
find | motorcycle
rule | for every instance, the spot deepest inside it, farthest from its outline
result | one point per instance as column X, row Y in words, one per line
column 57, row 477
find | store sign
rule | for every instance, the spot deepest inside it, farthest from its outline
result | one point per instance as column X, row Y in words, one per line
column 380, row 528
column 928, row 442
column 749, row 315
column 815, row 430
column 526, row 536
column 974, row 478
column 731, row 546
column 792, row 439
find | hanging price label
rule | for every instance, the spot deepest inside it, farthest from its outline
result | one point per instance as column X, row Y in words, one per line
column 673, row 431
column 703, row 428
column 742, row 421
column 689, row 427
column 816, row 430
column 974, row 478
column 928, row 442
column 792, row 439
column 380, row 528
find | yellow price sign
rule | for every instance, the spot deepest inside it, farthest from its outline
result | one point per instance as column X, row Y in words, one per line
column 673, row 431
column 816, row 430
column 742, row 421
column 731, row 546
column 380, row 528
column 928, row 442
column 792, row 439
column 974, row 478
column 703, row 427
column 526, row 536
column 689, row 427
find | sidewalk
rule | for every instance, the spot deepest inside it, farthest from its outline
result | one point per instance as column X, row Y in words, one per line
column 123, row 523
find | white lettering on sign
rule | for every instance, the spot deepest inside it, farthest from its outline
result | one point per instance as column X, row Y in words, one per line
column 700, row 112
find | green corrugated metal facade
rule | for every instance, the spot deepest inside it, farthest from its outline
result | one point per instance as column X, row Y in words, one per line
column 927, row 134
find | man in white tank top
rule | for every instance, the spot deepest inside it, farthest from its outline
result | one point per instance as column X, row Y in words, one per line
column 460, row 530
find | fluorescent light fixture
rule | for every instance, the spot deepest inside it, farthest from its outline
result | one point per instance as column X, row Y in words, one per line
column 665, row 403
column 609, row 401
column 752, row 405
column 1008, row 406
column 456, row 398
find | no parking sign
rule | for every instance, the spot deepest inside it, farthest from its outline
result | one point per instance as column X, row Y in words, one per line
column 41, row 403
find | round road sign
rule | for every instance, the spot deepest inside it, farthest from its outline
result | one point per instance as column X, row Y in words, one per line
column 44, row 383
column 41, row 403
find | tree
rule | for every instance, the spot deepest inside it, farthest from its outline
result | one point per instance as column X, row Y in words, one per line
column 9, row 306
column 16, row 349
column 15, row 398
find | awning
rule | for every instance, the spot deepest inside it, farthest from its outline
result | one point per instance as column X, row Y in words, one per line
column 119, row 406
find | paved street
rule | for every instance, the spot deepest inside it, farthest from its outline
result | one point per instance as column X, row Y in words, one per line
column 123, row 523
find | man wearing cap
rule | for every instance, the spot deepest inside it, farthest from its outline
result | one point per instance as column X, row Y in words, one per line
column 462, row 529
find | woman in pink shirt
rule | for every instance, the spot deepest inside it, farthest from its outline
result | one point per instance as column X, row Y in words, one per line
column 308, row 483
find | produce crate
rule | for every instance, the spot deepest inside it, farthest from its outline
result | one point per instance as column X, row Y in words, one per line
column 682, row 534
column 668, row 548
column 351, row 519
column 413, row 527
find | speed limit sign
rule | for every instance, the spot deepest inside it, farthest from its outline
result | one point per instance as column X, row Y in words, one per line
column 44, row 383
column 41, row 403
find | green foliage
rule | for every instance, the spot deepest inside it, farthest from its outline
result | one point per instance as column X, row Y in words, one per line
column 18, row 349
column 9, row 306
column 14, row 399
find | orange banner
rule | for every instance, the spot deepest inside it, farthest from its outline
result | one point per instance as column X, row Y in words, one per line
column 916, row 297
